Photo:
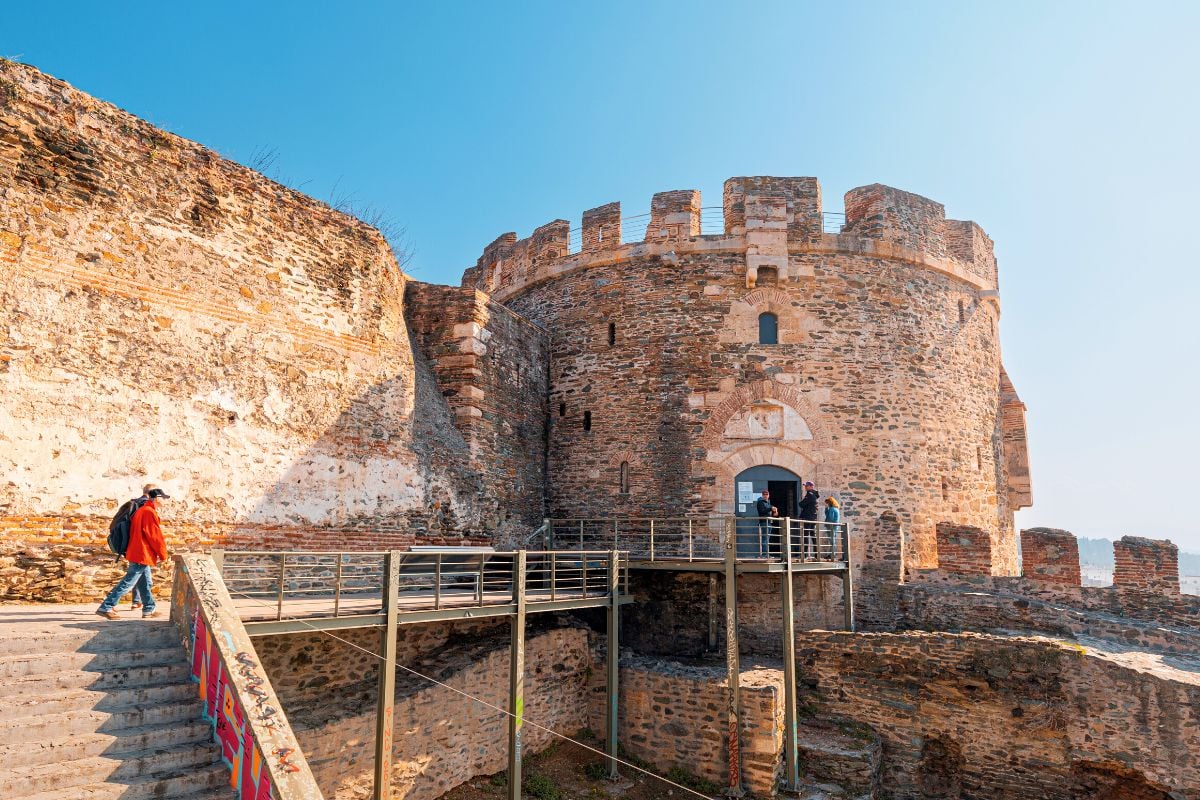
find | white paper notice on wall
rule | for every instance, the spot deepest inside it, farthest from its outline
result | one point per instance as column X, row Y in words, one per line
column 741, row 509
column 745, row 492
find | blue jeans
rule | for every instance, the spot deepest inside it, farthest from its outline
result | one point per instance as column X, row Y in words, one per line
column 137, row 578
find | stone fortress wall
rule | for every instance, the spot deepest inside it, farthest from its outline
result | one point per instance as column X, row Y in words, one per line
column 886, row 386
column 169, row 315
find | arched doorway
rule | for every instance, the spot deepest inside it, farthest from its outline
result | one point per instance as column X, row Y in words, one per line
column 783, row 487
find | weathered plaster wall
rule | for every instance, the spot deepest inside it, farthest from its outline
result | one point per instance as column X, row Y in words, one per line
column 976, row 716
column 171, row 316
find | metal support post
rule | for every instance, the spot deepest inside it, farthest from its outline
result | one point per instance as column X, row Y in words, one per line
column 516, row 677
column 732, row 663
column 614, row 639
column 279, row 589
column 712, row 611
column 847, row 580
column 791, row 754
column 387, row 678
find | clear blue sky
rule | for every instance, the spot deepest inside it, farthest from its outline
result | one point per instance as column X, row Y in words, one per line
column 1068, row 130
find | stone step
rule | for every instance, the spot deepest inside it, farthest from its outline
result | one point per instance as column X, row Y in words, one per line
column 117, row 678
column 140, row 766
column 198, row 783
column 843, row 755
column 19, row 708
column 100, row 636
column 53, row 726
column 26, row 753
column 18, row 666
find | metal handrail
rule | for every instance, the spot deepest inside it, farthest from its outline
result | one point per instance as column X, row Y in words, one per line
column 427, row 581
column 680, row 539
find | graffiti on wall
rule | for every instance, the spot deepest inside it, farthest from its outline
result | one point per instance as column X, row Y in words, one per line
column 231, row 726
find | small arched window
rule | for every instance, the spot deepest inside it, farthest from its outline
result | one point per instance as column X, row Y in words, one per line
column 624, row 477
column 562, row 409
column 612, row 333
column 587, row 420
column 768, row 328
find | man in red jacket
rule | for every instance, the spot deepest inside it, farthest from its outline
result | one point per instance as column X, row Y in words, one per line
column 146, row 549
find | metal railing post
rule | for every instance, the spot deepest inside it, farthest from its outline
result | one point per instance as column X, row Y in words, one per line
column 651, row 538
column 479, row 580
column 516, row 677
column 791, row 753
column 847, row 579
column 548, row 533
column 616, row 533
column 387, row 678
column 337, row 585
column 732, row 663
column 612, row 660
column 279, row 589
column 553, row 576
column 580, row 534
column 691, row 542
column 583, row 560
column 437, row 581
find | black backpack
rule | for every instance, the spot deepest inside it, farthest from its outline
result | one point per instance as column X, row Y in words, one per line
column 118, row 529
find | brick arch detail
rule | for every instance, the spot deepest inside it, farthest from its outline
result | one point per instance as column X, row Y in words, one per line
column 623, row 455
column 749, row 393
column 768, row 298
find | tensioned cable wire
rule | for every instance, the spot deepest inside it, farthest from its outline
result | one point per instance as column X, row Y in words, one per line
column 481, row 701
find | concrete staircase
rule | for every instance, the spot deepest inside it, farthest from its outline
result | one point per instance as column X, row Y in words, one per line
column 98, row 710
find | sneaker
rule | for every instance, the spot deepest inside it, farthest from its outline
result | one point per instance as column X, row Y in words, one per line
column 135, row 605
column 151, row 615
column 110, row 614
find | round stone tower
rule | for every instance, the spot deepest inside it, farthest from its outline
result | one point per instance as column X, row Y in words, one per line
column 690, row 370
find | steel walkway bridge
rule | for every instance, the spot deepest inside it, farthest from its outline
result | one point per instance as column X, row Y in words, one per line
column 584, row 563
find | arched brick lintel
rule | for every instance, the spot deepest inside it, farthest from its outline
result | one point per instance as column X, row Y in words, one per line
column 750, row 393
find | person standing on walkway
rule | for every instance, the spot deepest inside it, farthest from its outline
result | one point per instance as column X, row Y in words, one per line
column 808, row 513
column 833, row 511
column 141, row 589
column 147, row 549
column 762, row 509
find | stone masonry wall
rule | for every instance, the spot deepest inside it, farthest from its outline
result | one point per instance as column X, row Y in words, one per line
column 975, row 716
column 1050, row 554
column 173, row 317
column 1147, row 565
column 964, row 549
column 492, row 367
column 441, row 739
column 673, row 614
column 884, row 387
column 675, row 715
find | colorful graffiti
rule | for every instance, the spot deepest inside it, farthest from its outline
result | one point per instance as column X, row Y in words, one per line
column 231, row 729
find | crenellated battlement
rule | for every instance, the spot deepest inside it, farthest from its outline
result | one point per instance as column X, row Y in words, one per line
column 767, row 218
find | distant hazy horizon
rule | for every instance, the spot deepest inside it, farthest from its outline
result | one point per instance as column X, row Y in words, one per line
column 1064, row 129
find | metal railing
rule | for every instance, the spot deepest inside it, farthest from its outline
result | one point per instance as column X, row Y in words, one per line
column 691, row 539
column 316, row 583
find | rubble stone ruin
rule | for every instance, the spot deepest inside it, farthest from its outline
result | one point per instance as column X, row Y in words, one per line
column 170, row 315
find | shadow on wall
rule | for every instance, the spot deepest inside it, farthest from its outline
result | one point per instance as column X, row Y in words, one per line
column 391, row 467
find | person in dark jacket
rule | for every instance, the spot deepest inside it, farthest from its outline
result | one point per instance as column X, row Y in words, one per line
column 808, row 513
column 762, row 510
